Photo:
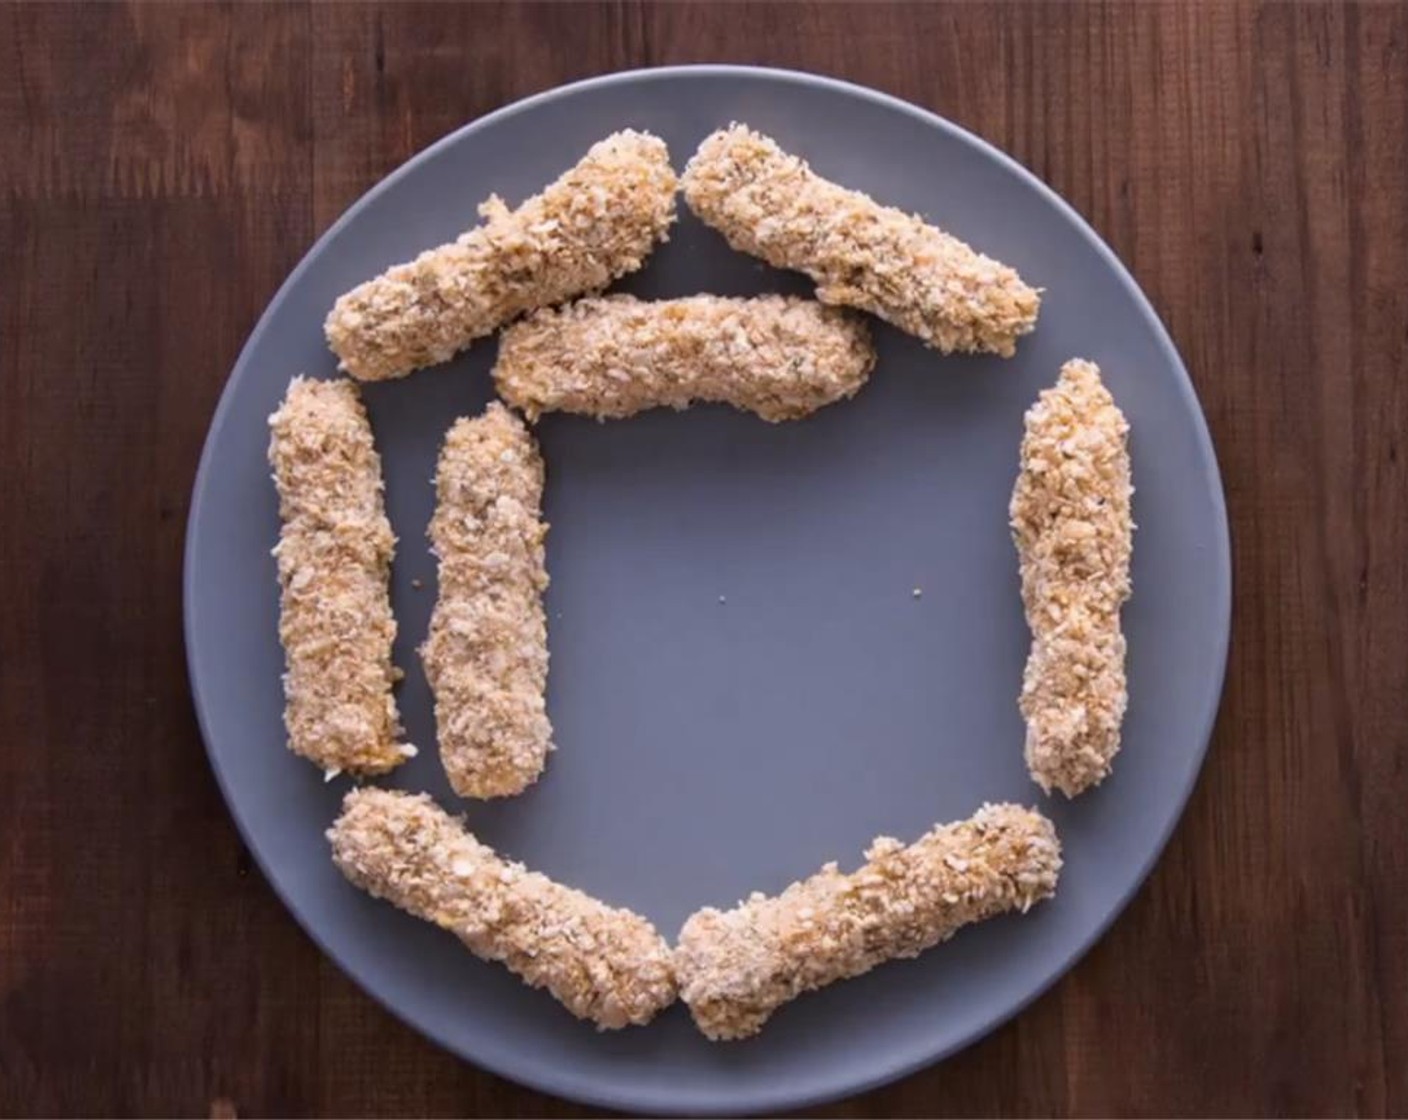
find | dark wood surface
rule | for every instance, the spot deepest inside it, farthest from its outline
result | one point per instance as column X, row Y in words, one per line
column 163, row 168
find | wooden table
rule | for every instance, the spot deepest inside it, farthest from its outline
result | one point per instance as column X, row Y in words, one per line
column 163, row 168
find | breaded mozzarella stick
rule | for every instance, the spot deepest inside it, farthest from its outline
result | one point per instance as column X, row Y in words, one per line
column 486, row 656
column 595, row 223
column 736, row 968
column 1071, row 523
column 860, row 253
column 334, row 559
column 604, row 964
column 777, row 356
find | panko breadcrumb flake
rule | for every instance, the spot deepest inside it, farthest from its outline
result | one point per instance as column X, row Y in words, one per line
column 1074, row 533
column 736, row 968
column 596, row 223
column 486, row 656
column 606, row 965
column 334, row 562
column 777, row 356
column 861, row 254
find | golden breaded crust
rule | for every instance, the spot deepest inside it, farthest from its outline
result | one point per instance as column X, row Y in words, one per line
column 334, row 557
column 486, row 656
column 737, row 967
column 777, row 356
column 603, row 964
column 860, row 253
column 1072, row 526
column 596, row 223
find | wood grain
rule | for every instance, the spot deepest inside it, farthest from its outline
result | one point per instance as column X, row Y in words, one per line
column 161, row 170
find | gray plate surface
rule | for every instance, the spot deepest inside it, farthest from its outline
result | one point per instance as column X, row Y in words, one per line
column 743, row 682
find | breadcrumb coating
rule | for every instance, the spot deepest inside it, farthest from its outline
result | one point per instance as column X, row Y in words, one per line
column 777, row 356
column 597, row 222
column 736, row 968
column 860, row 253
column 603, row 964
column 486, row 656
column 334, row 559
column 1072, row 527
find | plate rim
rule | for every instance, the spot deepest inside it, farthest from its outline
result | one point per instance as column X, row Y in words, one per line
column 569, row 1086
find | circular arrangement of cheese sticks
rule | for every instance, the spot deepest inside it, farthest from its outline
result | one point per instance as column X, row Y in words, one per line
column 536, row 273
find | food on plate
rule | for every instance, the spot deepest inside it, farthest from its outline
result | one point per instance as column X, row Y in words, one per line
column 603, row 964
column 486, row 656
column 597, row 222
column 735, row 968
column 334, row 563
column 1072, row 527
column 860, row 253
column 777, row 356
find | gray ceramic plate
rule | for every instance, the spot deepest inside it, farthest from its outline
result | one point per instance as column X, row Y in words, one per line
column 743, row 683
